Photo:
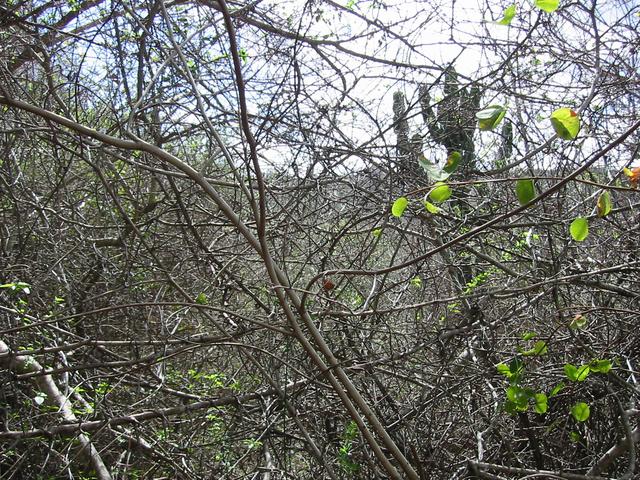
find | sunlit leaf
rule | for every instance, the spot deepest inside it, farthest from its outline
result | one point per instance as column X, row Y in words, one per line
column 581, row 411
column 582, row 373
column 431, row 208
column 376, row 232
column 529, row 335
column 576, row 374
column 507, row 15
column 504, row 370
column 525, row 191
column 566, row 123
column 579, row 229
column 398, row 207
column 604, row 204
column 541, row 403
column 571, row 372
column 416, row 282
column 490, row 116
column 453, row 160
column 548, row 6
column 440, row 193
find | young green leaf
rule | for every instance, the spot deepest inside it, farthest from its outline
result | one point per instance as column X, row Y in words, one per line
column 416, row 282
column 490, row 116
column 529, row 335
column 519, row 396
column 576, row 374
column 376, row 232
column 579, row 229
column 513, row 371
column 201, row 299
column 525, row 191
column 604, row 204
column 548, row 6
column 504, row 370
column 582, row 373
column 556, row 389
column 453, row 160
column 581, row 411
column 507, row 15
column 399, row 206
column 578, row 322
column 431, row 208
column 571, row 371
column 566, row 123
column 540, row 348
column 600, row 366
column 541, row 403
column 440, row 193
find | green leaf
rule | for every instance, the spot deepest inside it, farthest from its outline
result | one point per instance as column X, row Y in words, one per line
column 576, row 374
column 575, row 437
column 529, row 335
column 579, row 229
column 519, row 396
column 571, row 372
column 398, row 207
column 541, row 403
column 504, row 370
column 540, row 348
column 581, row 411
column 244, row 56
column 600, row 366
column 453, row 160
column 434, row 172
column 556, row 389
column 440, row 193
column 513, row 371
column 201, row 299
column 17, row 287
column 431, row 208
column 490, row 116
column 525, row 191
column 604, row 204
column 376, row 232
column 578, row 322
column 566, row 123
column 507, row 15
column 416, row 282
column 548, row 6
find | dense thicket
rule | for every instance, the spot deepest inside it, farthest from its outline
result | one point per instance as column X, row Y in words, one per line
column 224, row 253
